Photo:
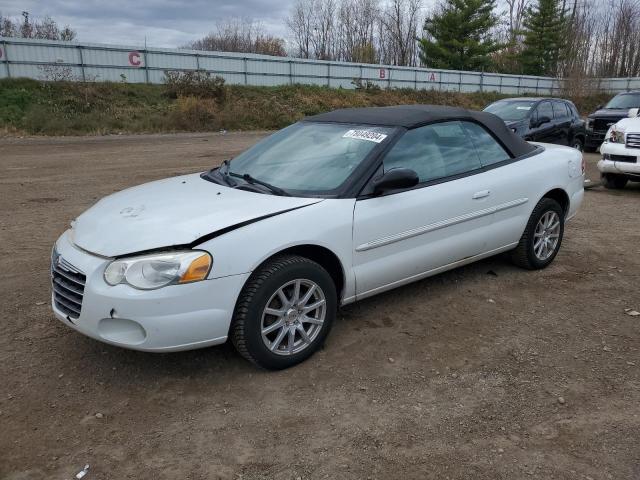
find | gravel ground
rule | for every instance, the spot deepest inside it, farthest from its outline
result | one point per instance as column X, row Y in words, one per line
column 484, row 372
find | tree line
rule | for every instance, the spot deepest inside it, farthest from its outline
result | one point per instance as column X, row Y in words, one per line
column 45, row 29
column 534, row 37
column 559, row 38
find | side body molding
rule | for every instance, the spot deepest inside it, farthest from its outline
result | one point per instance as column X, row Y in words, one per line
column 380, row 242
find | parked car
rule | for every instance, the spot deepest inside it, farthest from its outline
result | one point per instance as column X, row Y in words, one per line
column 549, row 120
column 621, row 152
column 330, row 210
column 604, row 117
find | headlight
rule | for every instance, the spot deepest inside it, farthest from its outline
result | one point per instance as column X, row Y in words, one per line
column 589, row 124
column 614, row 135
column 149, row 272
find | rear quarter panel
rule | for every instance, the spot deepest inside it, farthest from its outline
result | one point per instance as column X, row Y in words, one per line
column 556, row 167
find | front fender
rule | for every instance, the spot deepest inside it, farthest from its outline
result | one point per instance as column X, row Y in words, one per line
column 327, row 224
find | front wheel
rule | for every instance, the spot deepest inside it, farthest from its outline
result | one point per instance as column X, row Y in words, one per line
column 578, row 144
column 542, row 237
column 284, row 312
column 614, row 181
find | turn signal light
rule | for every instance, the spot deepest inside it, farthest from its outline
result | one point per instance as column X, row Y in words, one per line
column 198, row 270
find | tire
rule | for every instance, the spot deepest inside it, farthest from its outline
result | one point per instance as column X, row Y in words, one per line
column 274, row 350
column 525, row 254
column 578, row 144
column 614, row 181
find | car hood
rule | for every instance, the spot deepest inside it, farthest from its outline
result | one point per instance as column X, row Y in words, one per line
column 610, row 113
column 629, row 125
column 172, row 212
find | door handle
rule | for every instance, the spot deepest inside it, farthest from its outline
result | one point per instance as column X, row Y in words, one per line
column 481, row 194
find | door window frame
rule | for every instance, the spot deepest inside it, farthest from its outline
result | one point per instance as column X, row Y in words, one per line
column 562, row 110
column 366, row 192
column 551, row 118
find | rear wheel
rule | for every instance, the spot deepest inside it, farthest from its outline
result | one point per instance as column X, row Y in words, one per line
column 614, row 181
column 542, row 237
column 284, row 312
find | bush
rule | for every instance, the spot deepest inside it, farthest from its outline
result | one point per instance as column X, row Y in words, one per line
column 194, row 114
column 364, row 85
column 194, row 83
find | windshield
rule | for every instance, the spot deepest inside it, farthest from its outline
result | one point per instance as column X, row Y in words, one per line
column 316, row 157
column 510, row 111
column 625, row 100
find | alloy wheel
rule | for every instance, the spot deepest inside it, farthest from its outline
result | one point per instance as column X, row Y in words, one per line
column 546, row 235
column 293, row 317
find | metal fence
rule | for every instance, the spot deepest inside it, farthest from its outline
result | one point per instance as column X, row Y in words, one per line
column 50, row 60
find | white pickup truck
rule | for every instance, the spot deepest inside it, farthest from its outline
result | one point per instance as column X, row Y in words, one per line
column 621, row 152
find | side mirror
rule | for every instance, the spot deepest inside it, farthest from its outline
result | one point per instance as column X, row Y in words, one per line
column 634, row 112
column 543, row 120
column 599, row 107
column 395, row 179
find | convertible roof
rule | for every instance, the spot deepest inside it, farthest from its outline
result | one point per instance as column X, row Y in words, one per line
column 411, row 116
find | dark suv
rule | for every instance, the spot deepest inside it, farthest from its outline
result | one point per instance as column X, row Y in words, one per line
column 549, row 120
column 599, row 121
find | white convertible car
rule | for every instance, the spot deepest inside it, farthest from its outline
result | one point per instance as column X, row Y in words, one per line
column 621, row 152
column 331, row 210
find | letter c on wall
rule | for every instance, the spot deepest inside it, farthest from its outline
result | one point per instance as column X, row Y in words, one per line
column 134, row 59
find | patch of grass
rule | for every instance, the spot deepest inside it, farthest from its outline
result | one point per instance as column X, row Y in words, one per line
column 66, row 108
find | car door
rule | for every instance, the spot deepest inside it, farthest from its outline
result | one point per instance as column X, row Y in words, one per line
column 543, row 132
column 513, row 185
column 402, row 235
column 562, row 121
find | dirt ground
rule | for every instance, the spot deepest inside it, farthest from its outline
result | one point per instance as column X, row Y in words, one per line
column 484, row 372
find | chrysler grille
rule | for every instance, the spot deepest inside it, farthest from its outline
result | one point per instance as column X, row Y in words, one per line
column 67, row 283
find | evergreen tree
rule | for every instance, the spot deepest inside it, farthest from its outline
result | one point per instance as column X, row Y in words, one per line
column 545, row 29
column 458, row 36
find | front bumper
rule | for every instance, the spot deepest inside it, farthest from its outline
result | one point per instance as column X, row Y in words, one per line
column 594, row 138
column 173, row 318
column 626, row 167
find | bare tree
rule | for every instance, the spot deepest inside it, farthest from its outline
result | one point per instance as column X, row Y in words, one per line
column 615, row 41
column 579, row 52
column 323, row 34
column 398, row 32
column 516, row 14
column 240, row 35
column 46, row 29
column 300, row 24
column 356, row 23
column 7, row 27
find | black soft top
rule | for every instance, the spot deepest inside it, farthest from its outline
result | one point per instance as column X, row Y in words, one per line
column 411, row 116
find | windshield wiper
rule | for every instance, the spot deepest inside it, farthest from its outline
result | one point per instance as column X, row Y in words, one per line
column 223, row 173
column 254, row 181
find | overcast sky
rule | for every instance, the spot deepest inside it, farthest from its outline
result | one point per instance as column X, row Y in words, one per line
column 164, row 23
